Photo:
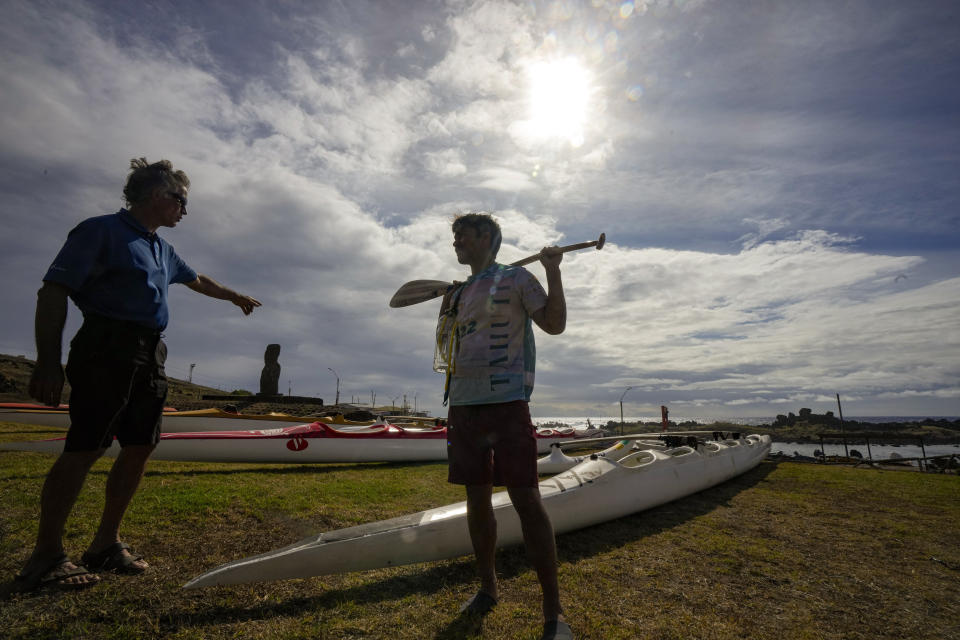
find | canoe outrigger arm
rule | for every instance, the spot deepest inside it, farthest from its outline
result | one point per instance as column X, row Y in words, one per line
column 716, row 435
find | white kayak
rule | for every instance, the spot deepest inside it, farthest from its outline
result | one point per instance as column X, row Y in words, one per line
column 557, row 461
column 301, row 444
column 39, row 417
column 304, row 444
column 594, row 491
column 173, row 421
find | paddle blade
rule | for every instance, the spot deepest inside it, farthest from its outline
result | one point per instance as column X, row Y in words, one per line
column 417, row 291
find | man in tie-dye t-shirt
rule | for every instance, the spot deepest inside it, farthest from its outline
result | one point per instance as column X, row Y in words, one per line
column 491, row 439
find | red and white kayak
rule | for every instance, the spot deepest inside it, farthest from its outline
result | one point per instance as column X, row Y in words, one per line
column 596, row 490
column 195, row 420
column 173, row 421
column 305, row 443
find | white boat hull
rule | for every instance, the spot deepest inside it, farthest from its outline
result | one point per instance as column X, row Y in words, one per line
column 303, row 444
column 283, row 442
column 594, row 491
column 59, row 419
column 558, row 462
column 172, row 422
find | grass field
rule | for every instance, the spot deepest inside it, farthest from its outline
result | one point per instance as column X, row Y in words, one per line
column 785, row 551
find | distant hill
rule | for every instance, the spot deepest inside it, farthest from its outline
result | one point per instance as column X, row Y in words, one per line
column 15, row 372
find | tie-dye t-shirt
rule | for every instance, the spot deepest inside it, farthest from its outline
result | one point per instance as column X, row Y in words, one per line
column 497, row 356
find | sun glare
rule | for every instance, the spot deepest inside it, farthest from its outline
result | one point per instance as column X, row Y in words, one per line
column 559, row 92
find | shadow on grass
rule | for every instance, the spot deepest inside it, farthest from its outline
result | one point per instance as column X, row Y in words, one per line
column 463, row 626
column 291, row 470
column 605, row 536
column 511, row 562
column 429, row 581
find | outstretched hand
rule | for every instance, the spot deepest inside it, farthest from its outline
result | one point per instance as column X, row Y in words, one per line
column 246, row 303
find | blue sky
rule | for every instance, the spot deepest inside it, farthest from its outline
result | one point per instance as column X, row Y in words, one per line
column 777, row 182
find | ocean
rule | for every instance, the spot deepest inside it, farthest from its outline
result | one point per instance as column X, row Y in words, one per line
column 877, row 451
column 581, row 421
column 905, row 450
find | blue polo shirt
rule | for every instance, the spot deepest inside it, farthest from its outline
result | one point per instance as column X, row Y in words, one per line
column 114, row 267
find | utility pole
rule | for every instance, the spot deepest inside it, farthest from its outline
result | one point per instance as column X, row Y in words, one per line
column 621, row 408
column 289, row 388
column 840, row 409
column 190, row 376
column 337, row 376
column 373, row 399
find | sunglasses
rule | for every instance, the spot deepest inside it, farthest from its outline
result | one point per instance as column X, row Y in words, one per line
column 179, row 198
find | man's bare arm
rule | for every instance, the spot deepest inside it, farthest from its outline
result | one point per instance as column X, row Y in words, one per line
column 46, row 382
column 552, row 317
column 210, row 287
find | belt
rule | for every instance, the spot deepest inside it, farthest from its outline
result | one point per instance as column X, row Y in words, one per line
column 126, row 326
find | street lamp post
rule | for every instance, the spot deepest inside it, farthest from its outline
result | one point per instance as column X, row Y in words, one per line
column 335, row 375
column 393, row 403
column 621, row 408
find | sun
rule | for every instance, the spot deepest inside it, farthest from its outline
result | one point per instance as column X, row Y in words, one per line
column 559, row 95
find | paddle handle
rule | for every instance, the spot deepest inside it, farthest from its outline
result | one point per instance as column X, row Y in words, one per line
column 418, row 291
column 598, row 243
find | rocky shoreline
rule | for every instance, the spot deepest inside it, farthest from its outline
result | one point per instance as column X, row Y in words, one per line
column 807, row 427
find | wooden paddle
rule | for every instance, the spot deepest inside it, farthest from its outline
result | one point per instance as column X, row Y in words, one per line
column 417, row 291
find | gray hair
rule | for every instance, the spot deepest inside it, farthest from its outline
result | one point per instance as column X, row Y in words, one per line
column 146, row 178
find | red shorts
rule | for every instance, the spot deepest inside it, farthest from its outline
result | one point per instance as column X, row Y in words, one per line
column 492, row 444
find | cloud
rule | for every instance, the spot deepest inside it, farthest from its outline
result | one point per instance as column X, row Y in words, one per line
column 502, row 179
column 762, row 194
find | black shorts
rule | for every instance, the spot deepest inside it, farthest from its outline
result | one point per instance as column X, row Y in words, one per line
column 118, row 385
column 492, row 444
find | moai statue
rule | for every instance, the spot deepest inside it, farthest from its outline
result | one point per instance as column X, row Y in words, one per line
column 270, row 376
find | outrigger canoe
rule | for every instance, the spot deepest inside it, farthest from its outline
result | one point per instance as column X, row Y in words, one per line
column 173, row 421
column 596, row 490
column 557, row 461
column 179, row 421
column 302, row 444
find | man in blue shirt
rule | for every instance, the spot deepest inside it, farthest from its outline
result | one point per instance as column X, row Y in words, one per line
column 117, row 271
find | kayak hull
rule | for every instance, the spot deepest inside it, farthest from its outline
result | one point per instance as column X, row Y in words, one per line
column 282, row 442
column 594, row 491
column 558, row 462
column 173, row 421
column 301, row 444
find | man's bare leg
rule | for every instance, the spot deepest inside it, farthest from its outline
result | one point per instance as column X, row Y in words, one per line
column 541, row 547
column 483, row 534
column 59, row 494
column 122, row 484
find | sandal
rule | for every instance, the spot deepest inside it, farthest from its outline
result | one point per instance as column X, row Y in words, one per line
column 113, row 558
column 556, row 630
column 480, row 604
column 54, row 575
